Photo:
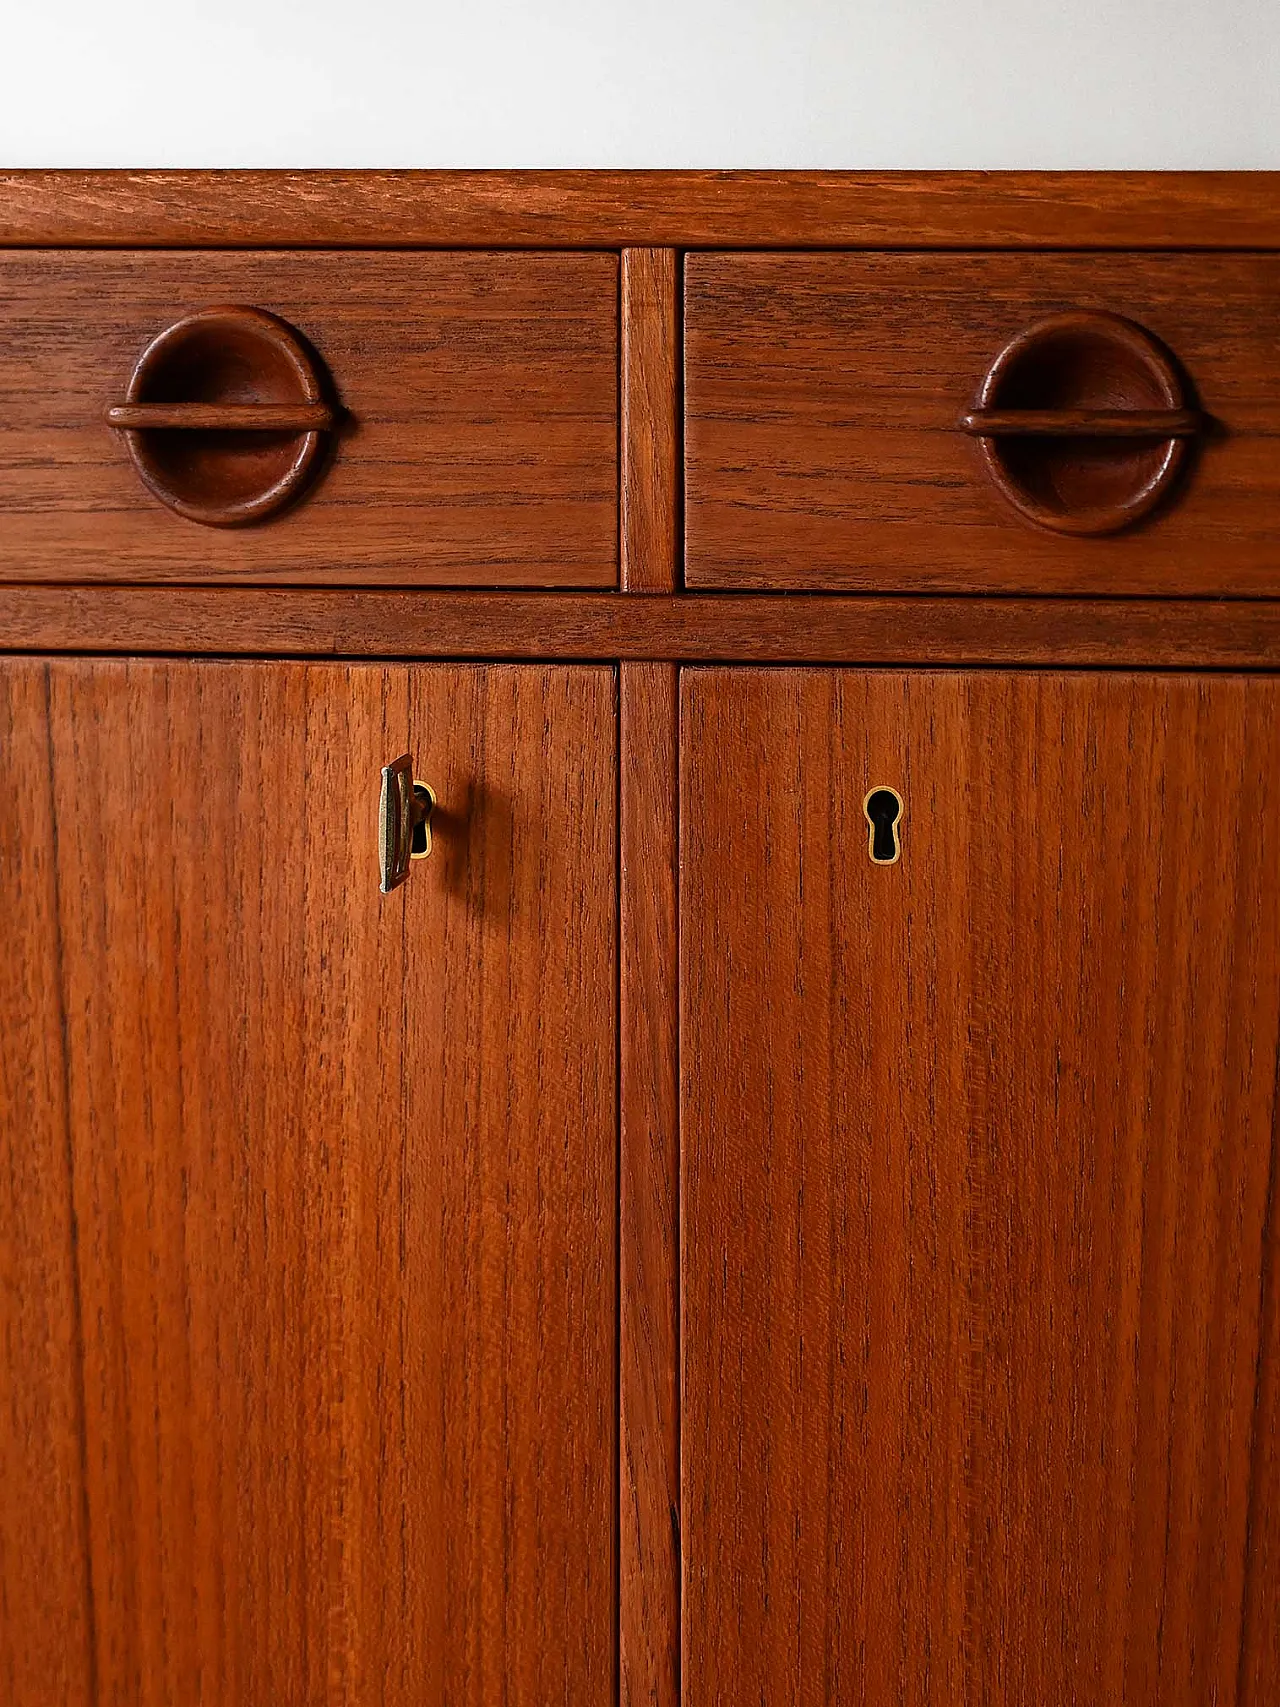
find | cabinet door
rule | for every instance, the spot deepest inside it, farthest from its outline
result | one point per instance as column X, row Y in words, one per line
column 309, row 1192
column 975, row 1162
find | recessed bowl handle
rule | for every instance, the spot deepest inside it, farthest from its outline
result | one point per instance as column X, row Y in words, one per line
column 225, row 416
column 1083, row 423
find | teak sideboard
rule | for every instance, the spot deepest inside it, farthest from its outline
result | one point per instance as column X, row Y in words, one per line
column 640, row 989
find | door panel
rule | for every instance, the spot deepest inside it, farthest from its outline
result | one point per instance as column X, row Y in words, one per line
column 344, row 1178
column 975, row 1170
column 45, row 1651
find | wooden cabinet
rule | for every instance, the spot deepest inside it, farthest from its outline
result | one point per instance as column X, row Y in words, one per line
column 310, row 1318
column 976, row 1160
column 779, row 1207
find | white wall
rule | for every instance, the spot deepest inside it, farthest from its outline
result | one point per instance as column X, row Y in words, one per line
column 1109, row 83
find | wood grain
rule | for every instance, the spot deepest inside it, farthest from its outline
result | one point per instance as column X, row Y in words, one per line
column 46, row 1609
column 975, row 1164
column 1260, row 1646
column 1103, row 633
column 479, row 436
column 345, row 1182
column 967, row 210
column 649, row 1576
column 824, row 395
column 650, row 421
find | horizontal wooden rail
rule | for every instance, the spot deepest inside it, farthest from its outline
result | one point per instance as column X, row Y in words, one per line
column 221, row 417
column 688, row 628
column 608, row 209
column 1082, row 423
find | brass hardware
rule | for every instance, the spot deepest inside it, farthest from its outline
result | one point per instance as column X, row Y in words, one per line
column 404, row 822
column 882, row 809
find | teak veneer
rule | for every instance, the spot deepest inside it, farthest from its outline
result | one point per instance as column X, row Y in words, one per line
column 681, row 210
column 658, row 1254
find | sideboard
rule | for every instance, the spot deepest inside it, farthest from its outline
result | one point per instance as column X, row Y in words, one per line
column 640, row 994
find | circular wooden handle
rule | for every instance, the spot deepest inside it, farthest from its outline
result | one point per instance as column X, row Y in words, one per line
column 1083, row 423
column 225, row 416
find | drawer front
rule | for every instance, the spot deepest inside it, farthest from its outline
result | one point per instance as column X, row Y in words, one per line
column 474, row 418
column 825, row 396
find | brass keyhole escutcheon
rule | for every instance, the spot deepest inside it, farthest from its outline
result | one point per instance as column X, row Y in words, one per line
column 420, row 839
column 883, row 811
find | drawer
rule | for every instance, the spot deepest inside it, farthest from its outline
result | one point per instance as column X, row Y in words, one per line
column 441, row 418
column 1123, row 431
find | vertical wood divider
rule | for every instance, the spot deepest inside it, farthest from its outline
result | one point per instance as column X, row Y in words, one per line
column 650, row 473
column 648, row 1329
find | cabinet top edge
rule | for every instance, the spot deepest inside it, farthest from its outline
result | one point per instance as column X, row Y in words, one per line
column 664, row 209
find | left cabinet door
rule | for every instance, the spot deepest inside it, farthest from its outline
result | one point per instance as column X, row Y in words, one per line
column 307, row 1277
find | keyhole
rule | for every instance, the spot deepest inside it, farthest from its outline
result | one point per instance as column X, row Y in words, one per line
column 420, row 836
column 882, row 809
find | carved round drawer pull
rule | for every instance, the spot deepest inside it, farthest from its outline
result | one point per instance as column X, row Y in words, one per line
column 225, row 416
column 1083, row 423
